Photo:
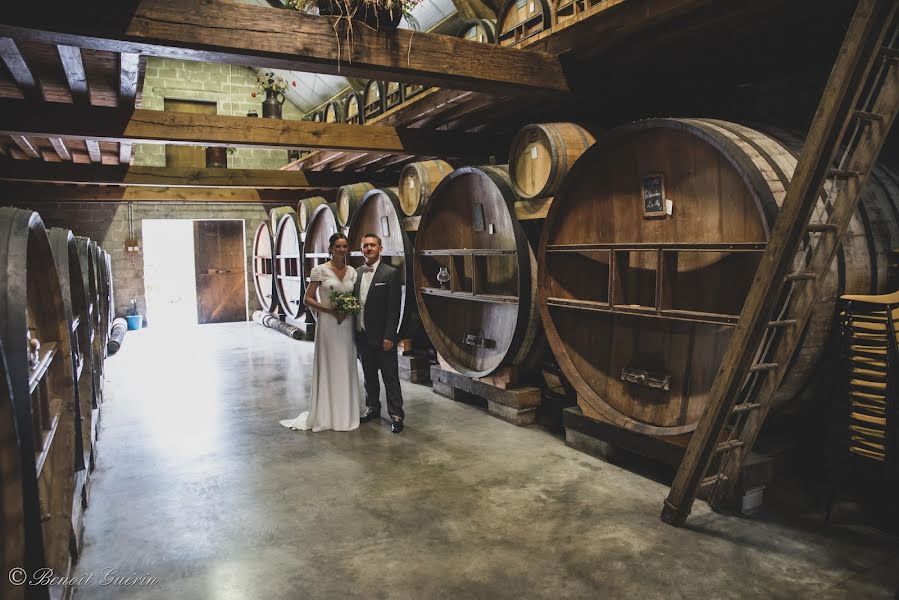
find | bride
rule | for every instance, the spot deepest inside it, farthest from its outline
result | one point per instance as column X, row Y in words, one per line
column 334, row 400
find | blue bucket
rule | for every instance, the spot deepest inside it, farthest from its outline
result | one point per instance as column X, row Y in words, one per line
column 134, row 321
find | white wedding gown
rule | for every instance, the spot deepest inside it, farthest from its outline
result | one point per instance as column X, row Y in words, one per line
column 334, row 399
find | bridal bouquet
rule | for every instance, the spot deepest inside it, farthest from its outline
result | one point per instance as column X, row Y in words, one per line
column 345, row 303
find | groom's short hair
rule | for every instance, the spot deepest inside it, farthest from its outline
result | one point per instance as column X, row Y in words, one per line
column 372, row 235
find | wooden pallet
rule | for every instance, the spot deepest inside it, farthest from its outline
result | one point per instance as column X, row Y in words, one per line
column 517, row 405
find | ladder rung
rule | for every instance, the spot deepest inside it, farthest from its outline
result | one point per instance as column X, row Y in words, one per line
column 822, row 227
column 842, row 173
column 763, row 367
column 889, row 52
column 783, row 323
column 867, row 116
column 800, row 276
column 745, row 407
column 711, row 480
column 728, row 446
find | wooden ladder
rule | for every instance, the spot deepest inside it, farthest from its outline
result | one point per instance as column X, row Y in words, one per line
column 855, row 114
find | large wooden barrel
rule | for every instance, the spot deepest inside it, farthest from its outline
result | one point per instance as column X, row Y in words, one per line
column 487, row 317
column 393, row 94
column 264, row 268
column 348, row 198
column 352, row 110
column 42, row 383
column 289, row 266
column 373, row 98
column 12, row 511
column 86, row 256
column 68, row 266
column 333, row 112
column 379, row 213
column 522, row 19
column 639, row 304
column 417, row 182
column 541, row 155
column 305, row 208
column 479, row 30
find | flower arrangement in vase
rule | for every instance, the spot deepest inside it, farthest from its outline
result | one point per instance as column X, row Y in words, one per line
column 274, row 87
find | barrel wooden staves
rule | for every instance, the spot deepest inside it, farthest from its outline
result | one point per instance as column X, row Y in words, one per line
column 567, row 10
column 479, row 30
column 541, row 155
column 373, row 99
column 348, row 198
column 103, row 291
column 35, row 334
column 520, row 20
column 305, row 208
column 487, row 315
column 68, row 266
column 379, row 213
column 12, row 511
column 417, row 182
column 317, row 116
column 86, row 256
column 333, row 112
column 264, row 268
column 353, row 109
column 640, row 297
column 289, row 266
column 393, row 95
column 275, row 214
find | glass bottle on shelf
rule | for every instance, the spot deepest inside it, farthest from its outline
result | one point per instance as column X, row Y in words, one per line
column 443, row 277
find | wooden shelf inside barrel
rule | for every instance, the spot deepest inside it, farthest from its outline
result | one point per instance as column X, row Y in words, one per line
column 645, row 311
column 48, row 351
column 730, row 247
column 497, row 298
column 466, row 252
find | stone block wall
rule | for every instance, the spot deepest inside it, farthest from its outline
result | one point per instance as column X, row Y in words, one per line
column 227, row 85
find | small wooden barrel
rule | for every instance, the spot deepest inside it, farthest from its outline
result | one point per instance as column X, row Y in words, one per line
column 353, row 109
column 86, row 256
column 264, row 268
column 542, row 154
column 348, row 198
column 275, row 214
column 333, row 112
column 12, row 511
column 43, row 394
column 417, row 182
column 639, row 305
column 288, row 266
column 68, row 266
column 487, row 316
column 379, row 213
column 305, row 208
column 373, row 98
column 393, row 95
column 479, row 30
column 522, row 19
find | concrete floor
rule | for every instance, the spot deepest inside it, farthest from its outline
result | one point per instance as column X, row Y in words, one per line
column 199, row 487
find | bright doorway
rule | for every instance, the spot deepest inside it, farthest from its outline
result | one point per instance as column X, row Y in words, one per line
column 194, row 271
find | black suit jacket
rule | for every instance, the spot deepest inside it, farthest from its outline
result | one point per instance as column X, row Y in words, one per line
column 382, row 305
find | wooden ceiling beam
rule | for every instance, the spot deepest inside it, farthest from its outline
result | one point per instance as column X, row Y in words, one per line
column 26, row 146
column 125, row 149
column 18, row 68
column 46, row 172
column 93, row 150
column 164, row 127
column 29, row 193
column 60, row 147
column 73, row 65
column 128, row 72
column 255, row 36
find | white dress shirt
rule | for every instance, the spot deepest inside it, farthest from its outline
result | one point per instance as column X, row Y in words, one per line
column 363, row 293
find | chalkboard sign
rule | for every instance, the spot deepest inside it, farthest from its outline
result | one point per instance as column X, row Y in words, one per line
column 653, row 193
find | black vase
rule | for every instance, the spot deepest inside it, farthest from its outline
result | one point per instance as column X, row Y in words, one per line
column 271, row 106
column 216, row 157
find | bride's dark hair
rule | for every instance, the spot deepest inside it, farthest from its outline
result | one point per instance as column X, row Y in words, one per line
column 333, row 239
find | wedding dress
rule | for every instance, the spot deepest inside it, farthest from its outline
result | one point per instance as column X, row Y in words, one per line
column 334, row 399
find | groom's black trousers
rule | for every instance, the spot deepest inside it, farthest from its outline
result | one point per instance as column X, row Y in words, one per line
column 375, row 359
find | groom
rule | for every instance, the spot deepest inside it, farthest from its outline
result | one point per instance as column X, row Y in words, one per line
column 379, row 291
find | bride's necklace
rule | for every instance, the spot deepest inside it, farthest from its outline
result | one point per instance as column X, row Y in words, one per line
column 338, row 269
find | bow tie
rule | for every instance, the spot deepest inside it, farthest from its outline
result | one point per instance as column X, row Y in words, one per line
column 367, row 269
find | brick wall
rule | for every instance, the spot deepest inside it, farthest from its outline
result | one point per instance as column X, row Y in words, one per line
column 226, row 85
column 107, row 224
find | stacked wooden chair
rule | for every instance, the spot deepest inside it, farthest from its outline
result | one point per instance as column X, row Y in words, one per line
column 869, row 334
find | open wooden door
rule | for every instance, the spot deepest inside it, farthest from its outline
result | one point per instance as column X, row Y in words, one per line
column 220, row 269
